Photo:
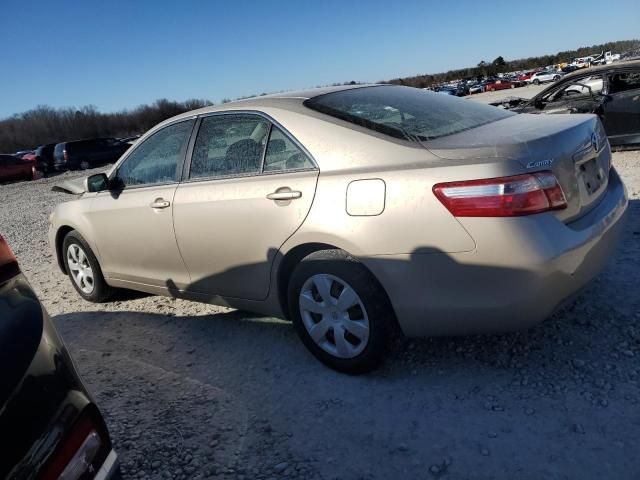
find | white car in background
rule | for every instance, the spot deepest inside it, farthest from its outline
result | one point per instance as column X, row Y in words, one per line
column 584, row 86
column 545, row 76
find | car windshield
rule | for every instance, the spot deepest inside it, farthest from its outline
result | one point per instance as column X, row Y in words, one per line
column 404, row 112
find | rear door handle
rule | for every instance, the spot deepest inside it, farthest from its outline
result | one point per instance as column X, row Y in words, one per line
column 286, row 195
column 159, row 203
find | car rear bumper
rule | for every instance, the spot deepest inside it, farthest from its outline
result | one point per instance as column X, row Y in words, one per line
column 522, row 269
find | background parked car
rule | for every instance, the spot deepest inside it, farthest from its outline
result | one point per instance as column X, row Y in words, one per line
column 44, row 157
column 499, row 84
column 49, row 426
column 83, row 154
column 14, row 168
column 545, row 76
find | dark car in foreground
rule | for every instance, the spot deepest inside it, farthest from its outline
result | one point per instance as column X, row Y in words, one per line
column 610, row 91
column 83, row 154
column 44, row 157
column 50, row 428
column 14, row 168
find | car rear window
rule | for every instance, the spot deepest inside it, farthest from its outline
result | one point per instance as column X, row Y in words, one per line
column 404, row 112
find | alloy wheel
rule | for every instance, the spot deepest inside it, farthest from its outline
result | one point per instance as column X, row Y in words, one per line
column 334, row 315
column 80, row 268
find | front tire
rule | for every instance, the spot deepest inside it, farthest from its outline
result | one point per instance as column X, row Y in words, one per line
column 84, row 270
column 536, row 82
column 340, row 311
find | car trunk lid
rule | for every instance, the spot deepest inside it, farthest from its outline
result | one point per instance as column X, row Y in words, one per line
column 573, row 147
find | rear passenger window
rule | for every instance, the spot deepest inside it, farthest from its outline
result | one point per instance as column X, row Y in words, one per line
column 156, row 159
column 283, row 154
column 229, row 145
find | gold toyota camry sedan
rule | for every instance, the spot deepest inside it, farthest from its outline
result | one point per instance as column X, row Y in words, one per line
column 355, row 212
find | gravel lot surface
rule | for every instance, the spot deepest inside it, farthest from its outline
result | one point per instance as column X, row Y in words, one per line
column 528, row 91
column 196, row 391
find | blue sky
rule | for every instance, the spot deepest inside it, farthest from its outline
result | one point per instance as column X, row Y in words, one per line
column 120, row 54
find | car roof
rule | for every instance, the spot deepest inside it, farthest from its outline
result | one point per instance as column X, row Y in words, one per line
column 284, row 100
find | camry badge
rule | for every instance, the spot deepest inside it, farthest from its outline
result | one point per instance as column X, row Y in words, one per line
column 540, row 163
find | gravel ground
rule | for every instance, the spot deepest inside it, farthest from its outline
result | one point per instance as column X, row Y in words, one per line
column 528, row 91
column 196, row 391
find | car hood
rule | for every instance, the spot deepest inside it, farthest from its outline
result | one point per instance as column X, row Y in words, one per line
column 75, row 186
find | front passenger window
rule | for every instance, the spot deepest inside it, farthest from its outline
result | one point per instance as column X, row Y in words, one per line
column 156, row 159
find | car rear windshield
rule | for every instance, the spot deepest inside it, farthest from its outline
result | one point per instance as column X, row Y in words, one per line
column 404, row 112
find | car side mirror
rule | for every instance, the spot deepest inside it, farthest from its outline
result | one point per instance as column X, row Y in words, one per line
column 97, row 183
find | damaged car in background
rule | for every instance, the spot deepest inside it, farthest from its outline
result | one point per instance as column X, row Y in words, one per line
column 610, row 91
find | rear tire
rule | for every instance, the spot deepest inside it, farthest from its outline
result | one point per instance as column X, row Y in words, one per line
column 84, row 270
column 340, row 312
column 84, row 165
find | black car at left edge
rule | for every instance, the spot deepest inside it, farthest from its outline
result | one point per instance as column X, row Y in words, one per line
column 50, row 428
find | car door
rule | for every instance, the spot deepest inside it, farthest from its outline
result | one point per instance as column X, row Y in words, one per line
column 248, row 188
column 620, row 112
column 133, row 221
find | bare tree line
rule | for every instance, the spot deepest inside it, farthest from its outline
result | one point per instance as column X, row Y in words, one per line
column 44, row 124
column 499, row 65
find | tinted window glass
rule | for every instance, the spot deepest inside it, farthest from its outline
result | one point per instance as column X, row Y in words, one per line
column 621, row 82
column 229, row 145
column 156, row 159
column 283, row 154
column 405, row 112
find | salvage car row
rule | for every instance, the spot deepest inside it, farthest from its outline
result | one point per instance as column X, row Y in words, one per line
column 74, row 155
column 536, row 76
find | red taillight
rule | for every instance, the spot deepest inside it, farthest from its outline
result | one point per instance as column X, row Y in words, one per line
column 8, row 263
column 65, row 155
column 502, row 197
column 79, row 453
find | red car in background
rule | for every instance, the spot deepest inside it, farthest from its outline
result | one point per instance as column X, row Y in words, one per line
column 499, row 85
column 14, row 168
column 526, row 76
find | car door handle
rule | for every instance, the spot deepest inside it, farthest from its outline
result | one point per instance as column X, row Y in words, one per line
column 286, row 195
column 159, row 203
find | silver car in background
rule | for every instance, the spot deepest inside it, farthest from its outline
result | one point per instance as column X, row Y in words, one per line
column 354, row 212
